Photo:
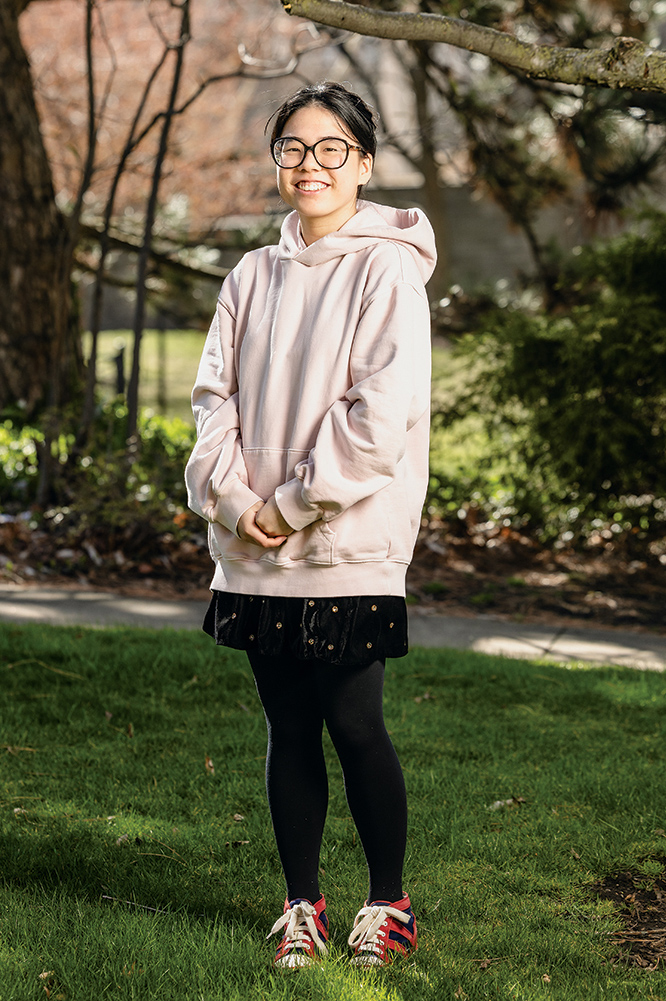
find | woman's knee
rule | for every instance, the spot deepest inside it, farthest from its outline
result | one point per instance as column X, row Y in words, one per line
column 356, row 736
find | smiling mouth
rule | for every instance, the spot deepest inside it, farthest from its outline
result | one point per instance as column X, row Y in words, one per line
column 311, row 186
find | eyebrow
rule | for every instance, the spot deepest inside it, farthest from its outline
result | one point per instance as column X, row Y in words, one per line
column 290, row 136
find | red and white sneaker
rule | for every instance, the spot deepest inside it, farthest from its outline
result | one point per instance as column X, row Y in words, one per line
column 305, row 930
column 383, row 931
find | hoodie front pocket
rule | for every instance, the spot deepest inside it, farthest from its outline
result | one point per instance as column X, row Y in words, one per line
column 314, row 544
column 362, row 531
column 265, row 469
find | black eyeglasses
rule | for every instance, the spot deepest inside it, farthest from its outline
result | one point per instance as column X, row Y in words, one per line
column 330, row 153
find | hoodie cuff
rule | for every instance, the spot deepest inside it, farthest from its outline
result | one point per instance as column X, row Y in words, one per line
column 235, row 501
column 292, row 507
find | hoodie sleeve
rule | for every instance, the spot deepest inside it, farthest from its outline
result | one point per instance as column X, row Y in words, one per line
column 215, row 475
column 363, row 436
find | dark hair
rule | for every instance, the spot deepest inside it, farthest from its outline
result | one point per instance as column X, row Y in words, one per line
column 349, row 108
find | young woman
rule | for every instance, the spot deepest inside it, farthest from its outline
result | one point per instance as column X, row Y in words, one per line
column 311, row 464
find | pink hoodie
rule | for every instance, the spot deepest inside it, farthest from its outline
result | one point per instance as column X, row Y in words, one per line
column 314, row 386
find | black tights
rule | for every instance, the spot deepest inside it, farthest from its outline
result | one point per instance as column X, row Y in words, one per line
column 298, row 698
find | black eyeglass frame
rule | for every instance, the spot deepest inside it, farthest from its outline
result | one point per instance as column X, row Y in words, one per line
column 308, row 149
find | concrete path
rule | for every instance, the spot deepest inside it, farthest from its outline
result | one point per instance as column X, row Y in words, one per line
column 483, row 633
column 510, row 639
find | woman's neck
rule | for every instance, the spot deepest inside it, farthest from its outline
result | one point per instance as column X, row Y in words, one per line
column 314, row 229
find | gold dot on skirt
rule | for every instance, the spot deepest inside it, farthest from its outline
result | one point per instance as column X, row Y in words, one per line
column 233, row 615
column 335, row 608
column 330, row 646
column 278, row 625
column 251, row 637
column 311, row 604
column 310, row 642
column 369, row 646
column 374, row 608
column 391, row 625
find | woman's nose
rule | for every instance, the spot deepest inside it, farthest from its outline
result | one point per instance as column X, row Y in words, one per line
column 313, row 161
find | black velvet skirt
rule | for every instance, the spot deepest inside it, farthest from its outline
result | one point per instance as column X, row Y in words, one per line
column 348, row 631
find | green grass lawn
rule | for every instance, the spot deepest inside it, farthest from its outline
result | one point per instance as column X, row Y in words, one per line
column 129, row 870
column 176, row 367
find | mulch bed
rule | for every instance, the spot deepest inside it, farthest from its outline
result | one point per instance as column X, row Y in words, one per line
column 640, row 901
column 507, row 575
column 499, row 573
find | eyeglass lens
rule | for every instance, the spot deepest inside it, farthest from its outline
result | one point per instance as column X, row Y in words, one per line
column 331, row 153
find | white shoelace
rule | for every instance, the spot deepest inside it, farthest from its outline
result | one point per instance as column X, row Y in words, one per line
column 367, row 930
column 301, row 926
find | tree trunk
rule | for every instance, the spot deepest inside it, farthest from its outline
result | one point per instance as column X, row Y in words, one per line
column 432, row 193
column 151, row 209
column 37, row 357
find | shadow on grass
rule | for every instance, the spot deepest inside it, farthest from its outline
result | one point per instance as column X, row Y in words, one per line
column 56, row 858
column 580, row 746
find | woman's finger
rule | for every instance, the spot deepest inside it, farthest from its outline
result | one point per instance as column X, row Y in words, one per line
column 250, row 532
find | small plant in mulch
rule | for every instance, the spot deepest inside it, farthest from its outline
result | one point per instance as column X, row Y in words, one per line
column 640, row 900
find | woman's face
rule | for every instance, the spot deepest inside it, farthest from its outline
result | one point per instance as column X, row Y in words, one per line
column 324, row 198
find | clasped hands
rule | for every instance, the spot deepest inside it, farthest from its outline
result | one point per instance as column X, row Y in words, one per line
column 263, row 525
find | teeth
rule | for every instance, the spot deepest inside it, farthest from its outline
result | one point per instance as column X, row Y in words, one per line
column 311, row 186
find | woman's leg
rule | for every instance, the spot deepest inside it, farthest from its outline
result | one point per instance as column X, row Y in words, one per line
column 351, row 704
column 296, row 780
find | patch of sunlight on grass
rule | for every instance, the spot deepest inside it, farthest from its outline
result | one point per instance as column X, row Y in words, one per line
column 129, row 852
column 170, row 356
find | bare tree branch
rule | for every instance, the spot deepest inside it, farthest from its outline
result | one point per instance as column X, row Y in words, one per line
column 114, row 65
column 133, row 246
column 130, row 145
column 628, row 63
column 164, row 38
column 266, row 66
column 269, row 72
column 83, row 265
column 134, row 139
column 151, row 208
column 390, row 137
column 89, row 163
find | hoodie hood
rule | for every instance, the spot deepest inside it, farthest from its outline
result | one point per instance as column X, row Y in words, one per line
column 371, row 224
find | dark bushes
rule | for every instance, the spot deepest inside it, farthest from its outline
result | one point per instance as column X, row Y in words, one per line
column 574, row 400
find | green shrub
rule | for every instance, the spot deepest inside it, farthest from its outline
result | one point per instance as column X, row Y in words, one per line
column 573, row 402
column 18, row 461
column 101, row 495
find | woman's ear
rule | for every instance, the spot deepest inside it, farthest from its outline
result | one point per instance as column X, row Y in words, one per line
column 365, row 169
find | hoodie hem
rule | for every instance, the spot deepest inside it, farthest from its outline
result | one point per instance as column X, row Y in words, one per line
column 303, row 580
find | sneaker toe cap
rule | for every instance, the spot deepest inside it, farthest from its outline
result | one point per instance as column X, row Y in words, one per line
column 369, row 960
column 294, row 961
